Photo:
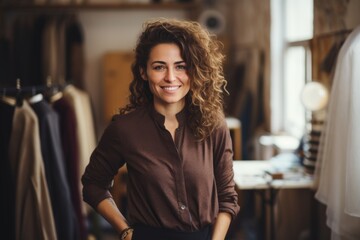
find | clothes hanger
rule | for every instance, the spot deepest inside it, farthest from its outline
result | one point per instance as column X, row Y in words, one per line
column 13, row 101
column 19, row 97
column 8, row 100
column 35, row 97
column 52, row 92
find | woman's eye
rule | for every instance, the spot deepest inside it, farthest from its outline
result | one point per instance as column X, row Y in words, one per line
column 181, row 67
column 159, row 67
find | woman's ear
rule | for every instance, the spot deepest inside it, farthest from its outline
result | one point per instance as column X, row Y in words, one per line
column 143, row 74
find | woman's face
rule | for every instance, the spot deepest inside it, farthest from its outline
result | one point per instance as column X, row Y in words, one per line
column 166, row 72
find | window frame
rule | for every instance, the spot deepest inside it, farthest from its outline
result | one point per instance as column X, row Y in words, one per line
column 279, row 47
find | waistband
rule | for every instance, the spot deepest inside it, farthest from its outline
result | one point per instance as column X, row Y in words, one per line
column 142, row 232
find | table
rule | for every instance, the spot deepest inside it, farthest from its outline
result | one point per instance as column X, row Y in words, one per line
column 253, row 175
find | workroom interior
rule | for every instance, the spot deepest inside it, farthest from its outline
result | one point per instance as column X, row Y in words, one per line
column 292, row 109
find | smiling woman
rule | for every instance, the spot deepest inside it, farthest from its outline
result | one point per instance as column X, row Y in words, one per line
column 168, row 79
column 203, row 58
column 168, row 82
column 174, row 140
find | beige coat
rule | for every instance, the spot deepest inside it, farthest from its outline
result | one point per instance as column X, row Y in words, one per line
column 33, row 210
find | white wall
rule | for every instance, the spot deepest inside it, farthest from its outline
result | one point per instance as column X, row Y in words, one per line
column 108, row 31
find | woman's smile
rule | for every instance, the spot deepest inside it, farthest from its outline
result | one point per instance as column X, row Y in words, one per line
column 170, row 89
column 166, row 72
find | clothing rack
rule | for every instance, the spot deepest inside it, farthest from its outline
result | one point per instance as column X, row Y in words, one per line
column 27, row 89
column 20, row 92
column 35, row 88
column 56, row 126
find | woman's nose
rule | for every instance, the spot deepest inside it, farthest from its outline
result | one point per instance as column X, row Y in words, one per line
column 170, row 75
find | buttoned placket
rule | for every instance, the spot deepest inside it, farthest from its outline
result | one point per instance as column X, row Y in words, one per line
column 180, row 180
column 174, row 145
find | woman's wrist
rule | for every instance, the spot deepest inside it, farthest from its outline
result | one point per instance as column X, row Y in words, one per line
column 126, row 232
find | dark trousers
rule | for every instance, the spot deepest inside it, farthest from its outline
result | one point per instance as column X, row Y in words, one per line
column 142, row 232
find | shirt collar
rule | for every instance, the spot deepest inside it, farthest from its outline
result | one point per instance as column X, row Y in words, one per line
column 160, row 119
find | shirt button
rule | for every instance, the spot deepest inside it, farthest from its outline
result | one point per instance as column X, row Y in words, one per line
column 182, row 207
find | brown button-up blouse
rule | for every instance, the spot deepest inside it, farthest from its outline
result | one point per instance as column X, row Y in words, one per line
column 181, row 184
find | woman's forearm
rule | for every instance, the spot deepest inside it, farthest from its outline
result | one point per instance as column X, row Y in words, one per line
column 108, row 209
column 221, row 226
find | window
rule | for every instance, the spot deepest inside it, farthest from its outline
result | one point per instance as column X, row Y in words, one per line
column 292, row 27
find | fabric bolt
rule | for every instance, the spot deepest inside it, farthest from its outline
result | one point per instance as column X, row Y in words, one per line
column 51, row 149
column 180, row 185
column 33, row 210
column 338, row 166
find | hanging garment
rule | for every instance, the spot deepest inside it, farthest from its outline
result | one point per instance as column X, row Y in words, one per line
column 60, row 28
column 49, row 50
column 338, row 163
column 51, row 149
column 23, row 50
column 33, row 210
column 70, row 149
column 7, row 185
column 74, row 52
column 5, row 62
column 39, row 28
column 85, row 131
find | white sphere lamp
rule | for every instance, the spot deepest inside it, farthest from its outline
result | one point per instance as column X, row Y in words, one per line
column 314, row 96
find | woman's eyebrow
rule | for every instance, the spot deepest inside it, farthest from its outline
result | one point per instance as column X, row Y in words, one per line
column 162, row 62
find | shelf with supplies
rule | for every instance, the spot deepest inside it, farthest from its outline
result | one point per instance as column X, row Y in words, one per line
column 88, row 5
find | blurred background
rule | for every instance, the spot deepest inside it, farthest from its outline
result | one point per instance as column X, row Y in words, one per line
column 273, row 49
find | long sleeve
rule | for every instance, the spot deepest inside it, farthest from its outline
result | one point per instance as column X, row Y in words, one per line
column 224, row 175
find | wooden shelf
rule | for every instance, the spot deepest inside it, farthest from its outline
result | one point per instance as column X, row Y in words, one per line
column 98, row 6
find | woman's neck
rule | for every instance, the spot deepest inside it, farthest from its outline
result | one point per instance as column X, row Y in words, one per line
column 169, row 111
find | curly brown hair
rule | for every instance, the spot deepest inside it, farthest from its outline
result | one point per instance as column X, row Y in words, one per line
column 204, row 60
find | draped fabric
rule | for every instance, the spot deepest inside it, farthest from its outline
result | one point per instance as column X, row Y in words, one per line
column 33, row 210
column 38, row 47
column 54, row 163
column 86, row 140
column 45, row 148
column 69, row 144
column 338, row 162
column 35, row 48
column 7, row 185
